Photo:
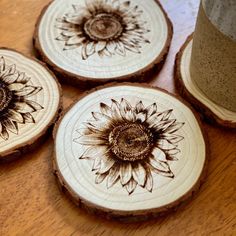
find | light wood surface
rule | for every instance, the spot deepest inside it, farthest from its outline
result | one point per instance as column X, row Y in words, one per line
column 129, row 151
column 30, row 201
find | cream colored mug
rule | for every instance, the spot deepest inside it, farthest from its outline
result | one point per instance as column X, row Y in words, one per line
column 213, row 60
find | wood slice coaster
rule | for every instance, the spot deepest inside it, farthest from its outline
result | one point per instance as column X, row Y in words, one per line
column 29, row 103
column 188, row 89
column 129, row 151
column 96, row 41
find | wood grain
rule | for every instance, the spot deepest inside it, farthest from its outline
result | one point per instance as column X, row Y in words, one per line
column 30, row 202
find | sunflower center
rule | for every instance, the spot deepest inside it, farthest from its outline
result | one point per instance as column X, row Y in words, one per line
column 131, row 142
column 103, row 26
column 5, row 96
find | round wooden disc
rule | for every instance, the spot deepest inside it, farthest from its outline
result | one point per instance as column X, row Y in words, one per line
column 129, row 151
column 29, row 102
column 191, row 92
column 96, row 41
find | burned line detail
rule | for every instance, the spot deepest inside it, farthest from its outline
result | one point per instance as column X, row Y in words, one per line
column 16, row 107
column 103, row 27
column 129, row 144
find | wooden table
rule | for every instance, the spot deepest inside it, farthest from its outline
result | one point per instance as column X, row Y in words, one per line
column 30, row 201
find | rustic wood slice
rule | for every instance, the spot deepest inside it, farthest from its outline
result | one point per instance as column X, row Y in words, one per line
column 96, row 41
column 190, row 91
column 129, row 151
column 29, row 103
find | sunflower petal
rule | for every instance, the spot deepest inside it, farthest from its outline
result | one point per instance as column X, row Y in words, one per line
column 151, row 110
column 111, row 47
column 165, row 174
column 75, row 40
column 76, row 7
column 113, row 176
column 97, row 163
column 22, row 78
column 115, row 107
column 165, row 145
column 130, row 26
column 158, row 165
column 126, row 110
column 154, row 119
column 173, row 128
column 8, row 71
column 99, row 125
column 90, row 48
column 92, row 152
column 132, row 48
column 100, row 178
column 106, row 164
column 120, row 49
column 69, row 34
column 9, row 79
column 159, row 154
column 171, row 154
column 163, row 125
column 141, row 116
column 100, row 116
column 62, row 37
column 125, row 5
column 11, row 126
column 83, row 52
column 139, row 174
column 28, row 118
column 90, row 129
column 28, row 91
column 100, row 45
column 34, row 105
column 70, row 47
column 2, row 64
column 91, row 5
column 172, row 158
column 15, row 116
column 166, row 114
column 106, row 110
column 125, row 173
column 16, row 86
column 139, row 107
column 140, row 112
column 4, row 134
column 23, row 107
column 66, row 26
column 173, row 151
column 130, row 186
column 173, row 138
column 89, row 140
column 104, row 52
column 149, row 182
column 75, row 18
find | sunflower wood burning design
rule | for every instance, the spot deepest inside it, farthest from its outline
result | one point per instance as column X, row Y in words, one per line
column 130, row 143
column 105, row 27
column 15, row 105
column 91, row 42
column 121, row 155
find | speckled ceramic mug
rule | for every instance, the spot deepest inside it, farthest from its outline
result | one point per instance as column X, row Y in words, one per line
column 213, row 61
